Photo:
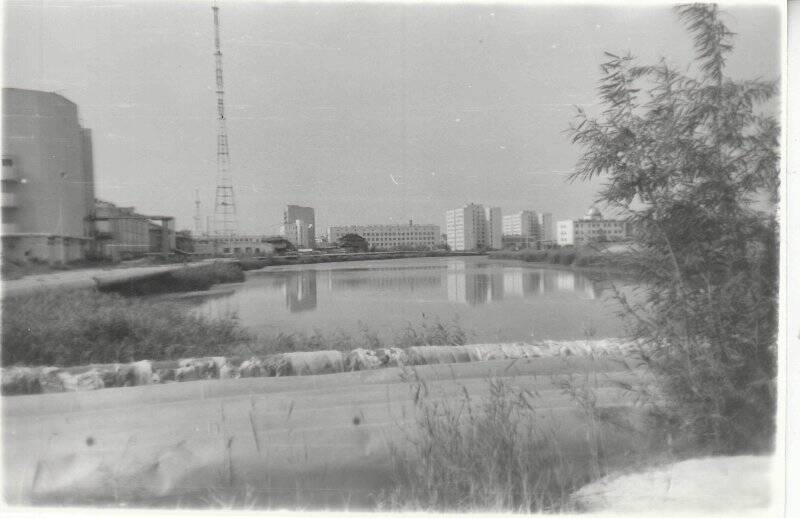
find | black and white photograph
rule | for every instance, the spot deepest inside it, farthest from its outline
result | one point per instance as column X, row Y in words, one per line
column 398, row 257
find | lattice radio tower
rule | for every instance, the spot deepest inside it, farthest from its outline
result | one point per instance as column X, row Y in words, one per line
column 224, row 202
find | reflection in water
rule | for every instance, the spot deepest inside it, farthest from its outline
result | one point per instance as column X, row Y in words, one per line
column 393, row 279
column 300, row 289
column 467, row 283
column 495, row 301
column 472, row 286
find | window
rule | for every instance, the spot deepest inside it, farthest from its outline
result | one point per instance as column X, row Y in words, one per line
column 8, row 161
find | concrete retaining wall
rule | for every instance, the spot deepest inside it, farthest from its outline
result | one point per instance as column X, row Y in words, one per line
column 38, row 380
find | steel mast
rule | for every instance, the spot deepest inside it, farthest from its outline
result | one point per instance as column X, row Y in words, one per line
column 225, row 224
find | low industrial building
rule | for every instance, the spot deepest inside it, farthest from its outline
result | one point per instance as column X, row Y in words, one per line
column 592, row 228
column 390, row 237
column 122, row 233
column 247, row 245
column 48, row 178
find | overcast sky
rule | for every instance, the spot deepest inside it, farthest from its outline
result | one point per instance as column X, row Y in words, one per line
column 370, row 113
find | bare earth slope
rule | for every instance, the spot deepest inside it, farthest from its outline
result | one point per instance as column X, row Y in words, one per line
column 314, row 441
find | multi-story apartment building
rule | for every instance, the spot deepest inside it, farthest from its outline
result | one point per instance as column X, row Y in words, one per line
column 299, row 226
column 494, row 228
column 523, row 223
column 389, row 237
column 48, row 178
column 473, row 226
column 591, row 228
column 547, row 228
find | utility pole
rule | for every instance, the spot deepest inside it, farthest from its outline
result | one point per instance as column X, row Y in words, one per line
column 197, row 212
column 224, row 203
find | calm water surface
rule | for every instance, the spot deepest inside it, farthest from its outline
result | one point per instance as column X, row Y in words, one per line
column 491, row 300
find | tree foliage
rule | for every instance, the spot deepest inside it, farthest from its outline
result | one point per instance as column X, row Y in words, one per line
column 685, row 156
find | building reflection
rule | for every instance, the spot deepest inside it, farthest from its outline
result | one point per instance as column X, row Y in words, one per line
column 466, row 283
column 386, row 279
column 473, row 286
column 300, row 290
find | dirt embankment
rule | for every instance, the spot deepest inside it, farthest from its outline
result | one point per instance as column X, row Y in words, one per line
column 299, row 441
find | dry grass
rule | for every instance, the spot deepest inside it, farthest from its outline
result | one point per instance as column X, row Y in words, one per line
column 429, row 331
column 65, row 327
column 503, row 453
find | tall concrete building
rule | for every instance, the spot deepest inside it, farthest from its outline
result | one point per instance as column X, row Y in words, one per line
column 494, row 228
column 523, row 223
column 299, row 226
column 473, row 226
column 48, row 178
column 547, row 228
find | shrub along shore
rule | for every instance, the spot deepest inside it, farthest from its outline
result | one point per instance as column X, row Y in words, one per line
column 582, row 257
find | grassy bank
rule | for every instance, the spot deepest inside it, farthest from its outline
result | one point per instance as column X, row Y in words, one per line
column 67, row 327
column 13, row 270
column 584, row 257
column 190, row 278
column 72, row 327
column 430, row 331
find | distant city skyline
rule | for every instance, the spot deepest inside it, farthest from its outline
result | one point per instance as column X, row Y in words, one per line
column 368, row 113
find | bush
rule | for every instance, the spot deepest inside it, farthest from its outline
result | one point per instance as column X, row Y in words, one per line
column 566, row 257
column 75, row 327
column 684, row 158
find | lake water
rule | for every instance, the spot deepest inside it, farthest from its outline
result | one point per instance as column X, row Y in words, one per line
column 491, row 300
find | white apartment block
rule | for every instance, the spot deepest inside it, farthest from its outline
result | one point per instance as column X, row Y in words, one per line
column 591, row 228
column 299, row 226
column 565, row 232
column 473, row 226
column 523, row 223
column 390, row 237
column 298, row 233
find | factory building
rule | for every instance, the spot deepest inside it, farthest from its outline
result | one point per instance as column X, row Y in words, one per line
column 239, row 245
column 474, row 227
column 122, row 233
column 390, row 237
column 591, row 228
column 299, row 226
column 48, row 178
